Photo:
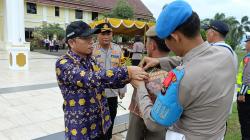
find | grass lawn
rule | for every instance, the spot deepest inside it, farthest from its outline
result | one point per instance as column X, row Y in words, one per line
column 233, row 126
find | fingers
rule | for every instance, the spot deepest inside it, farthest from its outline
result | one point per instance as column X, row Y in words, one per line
column 147, row 66
column 141, row 76
column 241, row 98
column 142, row 63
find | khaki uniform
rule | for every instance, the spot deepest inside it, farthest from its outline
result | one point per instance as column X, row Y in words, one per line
column 206, row 93
column 108, row 59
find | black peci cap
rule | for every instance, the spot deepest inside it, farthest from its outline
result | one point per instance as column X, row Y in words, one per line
column 79, row 29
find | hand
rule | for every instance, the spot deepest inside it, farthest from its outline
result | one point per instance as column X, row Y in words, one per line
column 121, row 95
column 137, row 73
column 241, row 98
column 148, row 62
column 137, row 83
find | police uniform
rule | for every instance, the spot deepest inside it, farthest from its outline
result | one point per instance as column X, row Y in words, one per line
column 138, row 48
column 243, row 81
column 137, row 129
column 109, row 58
column 203, row 94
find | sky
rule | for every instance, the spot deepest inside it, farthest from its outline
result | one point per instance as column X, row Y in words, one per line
column 207, row 8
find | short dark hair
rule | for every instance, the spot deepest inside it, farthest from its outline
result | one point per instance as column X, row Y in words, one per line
column 137, row 38
column 191, row 27
column 160, row 44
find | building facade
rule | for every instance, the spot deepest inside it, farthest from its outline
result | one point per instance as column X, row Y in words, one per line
column 19, row 18
column 37, row 12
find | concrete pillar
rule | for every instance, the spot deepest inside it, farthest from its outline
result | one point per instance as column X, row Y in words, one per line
column 14, row 34
column 45, row 15
column 66, row 15
column 1, row 24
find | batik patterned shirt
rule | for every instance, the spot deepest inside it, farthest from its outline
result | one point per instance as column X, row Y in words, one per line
column 82, row 83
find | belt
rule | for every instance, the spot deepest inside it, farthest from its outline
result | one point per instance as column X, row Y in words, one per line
column 248, row 91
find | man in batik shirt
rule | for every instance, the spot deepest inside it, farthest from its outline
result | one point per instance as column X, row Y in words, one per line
column 82, row 83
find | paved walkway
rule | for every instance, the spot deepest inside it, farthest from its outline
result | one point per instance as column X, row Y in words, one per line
column 31, row 103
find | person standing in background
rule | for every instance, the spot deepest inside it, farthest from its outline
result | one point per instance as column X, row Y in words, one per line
column 109, row 55
column 216, row 33
column 243, row 97
column 138, row 49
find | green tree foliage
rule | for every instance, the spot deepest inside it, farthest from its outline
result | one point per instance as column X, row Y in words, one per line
column 51, row 30
column 237, row 28
column 122, row 10
column 45, row 31
column 203, row 34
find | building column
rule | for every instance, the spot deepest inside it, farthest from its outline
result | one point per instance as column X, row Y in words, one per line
column 15, row 37
column 45, row 15
column 66, row 15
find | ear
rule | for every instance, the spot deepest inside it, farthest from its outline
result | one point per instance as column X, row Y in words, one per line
column 71, row 42
column 153, row 46
column 176, row 36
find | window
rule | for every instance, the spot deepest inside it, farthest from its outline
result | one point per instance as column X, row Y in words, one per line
column 57, row 11
column 78, row 14
column 31, row 8
column 28, row 34
column 94, row 15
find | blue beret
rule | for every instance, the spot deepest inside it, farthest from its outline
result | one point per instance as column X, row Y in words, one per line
column 173, row 15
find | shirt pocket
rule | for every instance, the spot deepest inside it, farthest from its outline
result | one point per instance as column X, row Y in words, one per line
column 115, row 62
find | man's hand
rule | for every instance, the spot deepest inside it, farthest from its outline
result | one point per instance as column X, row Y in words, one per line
column 137, row 83
column 137, row 73
column 241, row 98
column 121, row 95
column 148, row 62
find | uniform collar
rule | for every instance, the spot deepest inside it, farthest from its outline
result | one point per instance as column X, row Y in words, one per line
column 76, row 57
column 99, row 46
column 220, row 43
column 195, row 51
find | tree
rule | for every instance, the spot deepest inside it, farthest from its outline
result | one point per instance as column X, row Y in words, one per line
column 122, row 10
column 237, row 30
column 51, row 30
column 45, row 31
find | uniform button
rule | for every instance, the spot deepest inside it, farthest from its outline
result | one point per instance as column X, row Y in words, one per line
column 87, row 114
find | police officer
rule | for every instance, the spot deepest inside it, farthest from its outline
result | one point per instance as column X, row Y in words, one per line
column 200, row 91
column 216, row 33
column 243, row 100
column 109, row 55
